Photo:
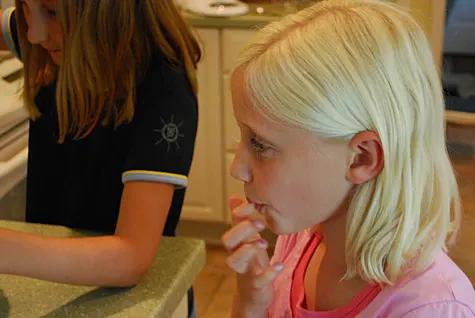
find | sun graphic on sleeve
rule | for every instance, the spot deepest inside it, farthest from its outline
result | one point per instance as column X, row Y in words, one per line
column 170, row 133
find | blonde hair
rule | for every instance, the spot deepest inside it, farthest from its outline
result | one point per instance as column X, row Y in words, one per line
column 106, row 51
column 339, row 68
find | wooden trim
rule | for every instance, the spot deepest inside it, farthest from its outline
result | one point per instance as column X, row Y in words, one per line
column 438, row 30
column 431, row 16
column 460, row 118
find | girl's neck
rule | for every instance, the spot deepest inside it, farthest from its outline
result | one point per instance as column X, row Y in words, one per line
column 327, row 267
column 334, row 238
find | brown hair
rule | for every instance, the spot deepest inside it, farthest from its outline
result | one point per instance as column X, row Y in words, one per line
column 107, row 48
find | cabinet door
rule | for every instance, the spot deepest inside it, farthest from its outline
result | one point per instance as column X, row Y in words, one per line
column 431, row 16
column 233, row 187
column 204, row 197
column 234, row 40
column 232, row 135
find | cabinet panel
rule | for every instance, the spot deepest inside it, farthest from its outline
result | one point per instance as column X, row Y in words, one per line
column 204, row 197
column 233, row 186
column 232, row 134
column 234, row 41
column 431, row 16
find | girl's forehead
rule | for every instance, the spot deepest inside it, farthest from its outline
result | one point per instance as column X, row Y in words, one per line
column 32, row 3
column 39, row 2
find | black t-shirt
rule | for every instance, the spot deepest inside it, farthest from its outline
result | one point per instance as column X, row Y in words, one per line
column 79, row 183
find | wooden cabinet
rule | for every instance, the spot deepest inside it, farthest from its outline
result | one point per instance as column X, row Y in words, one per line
column 233, row 187
column 233, row 42
column 205, row 194
column 209, row 182
column 231, row 129
column 431, row 16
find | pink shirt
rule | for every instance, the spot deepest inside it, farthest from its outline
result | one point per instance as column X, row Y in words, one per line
column 441, row 291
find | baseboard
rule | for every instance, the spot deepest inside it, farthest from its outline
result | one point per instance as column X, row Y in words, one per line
column 211, row 232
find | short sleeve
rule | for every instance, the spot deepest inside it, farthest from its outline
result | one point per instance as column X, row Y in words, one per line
column 9, row 31
column 280, row 249
column 163, row 130
column 286, row 244
column 446, row 309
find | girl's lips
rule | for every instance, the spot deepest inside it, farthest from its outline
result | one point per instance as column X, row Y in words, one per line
column 257, row 206
column 260, row 209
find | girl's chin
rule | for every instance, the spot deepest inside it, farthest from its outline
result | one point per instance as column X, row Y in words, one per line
column 55, row 56
column 280, row 227
column 274, row 226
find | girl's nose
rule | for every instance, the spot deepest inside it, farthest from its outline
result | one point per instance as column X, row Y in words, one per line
column 240, row 169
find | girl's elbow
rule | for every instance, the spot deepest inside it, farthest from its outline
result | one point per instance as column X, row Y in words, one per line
column 134, row 273
column 134, row 263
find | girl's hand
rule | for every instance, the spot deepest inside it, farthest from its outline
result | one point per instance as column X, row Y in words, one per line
column 250, row 260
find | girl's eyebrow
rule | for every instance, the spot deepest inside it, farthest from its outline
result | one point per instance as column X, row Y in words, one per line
column 258, row 135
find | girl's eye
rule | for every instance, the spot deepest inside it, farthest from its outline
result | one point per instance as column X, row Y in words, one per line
column 258, row 146
column 50, row 13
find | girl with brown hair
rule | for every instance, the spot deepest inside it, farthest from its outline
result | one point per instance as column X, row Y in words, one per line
column 110, row 87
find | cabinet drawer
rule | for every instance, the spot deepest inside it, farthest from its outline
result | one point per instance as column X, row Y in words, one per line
column 232, row 135
column 204, row 195
column 233, row 41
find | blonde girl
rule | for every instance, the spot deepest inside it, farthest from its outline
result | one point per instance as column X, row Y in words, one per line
column 343, row 152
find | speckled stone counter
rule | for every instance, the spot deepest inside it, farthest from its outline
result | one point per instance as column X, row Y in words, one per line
column 258, row 15
column 178, row 262
column 253, row 19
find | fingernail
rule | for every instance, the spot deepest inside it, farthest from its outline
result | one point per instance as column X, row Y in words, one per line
column 278, row 267
column 259, row 224
column 262, row 243
column 241, row 269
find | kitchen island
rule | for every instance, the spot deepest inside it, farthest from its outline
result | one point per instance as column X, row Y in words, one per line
column 161, row 293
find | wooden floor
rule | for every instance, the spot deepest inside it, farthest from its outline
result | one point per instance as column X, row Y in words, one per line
column 215, row 285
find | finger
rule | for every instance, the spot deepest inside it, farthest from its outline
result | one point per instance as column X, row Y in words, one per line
column 260, row 263
column 243, row 232
column 242, row 259
column 242, row 212
column 268, row 276
column 235, row 201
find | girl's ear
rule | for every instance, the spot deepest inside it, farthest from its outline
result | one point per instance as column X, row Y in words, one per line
column 367, row 159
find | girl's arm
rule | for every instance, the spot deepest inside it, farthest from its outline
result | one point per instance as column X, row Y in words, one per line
column 8, row 26
column 118, row 260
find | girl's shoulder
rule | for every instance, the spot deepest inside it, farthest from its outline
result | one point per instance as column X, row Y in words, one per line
column 165, row 84
column 165, row 72
column 442, row 287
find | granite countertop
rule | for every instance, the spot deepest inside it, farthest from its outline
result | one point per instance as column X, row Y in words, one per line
column 178, row 262
column 258, row 15
column 253, row 19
